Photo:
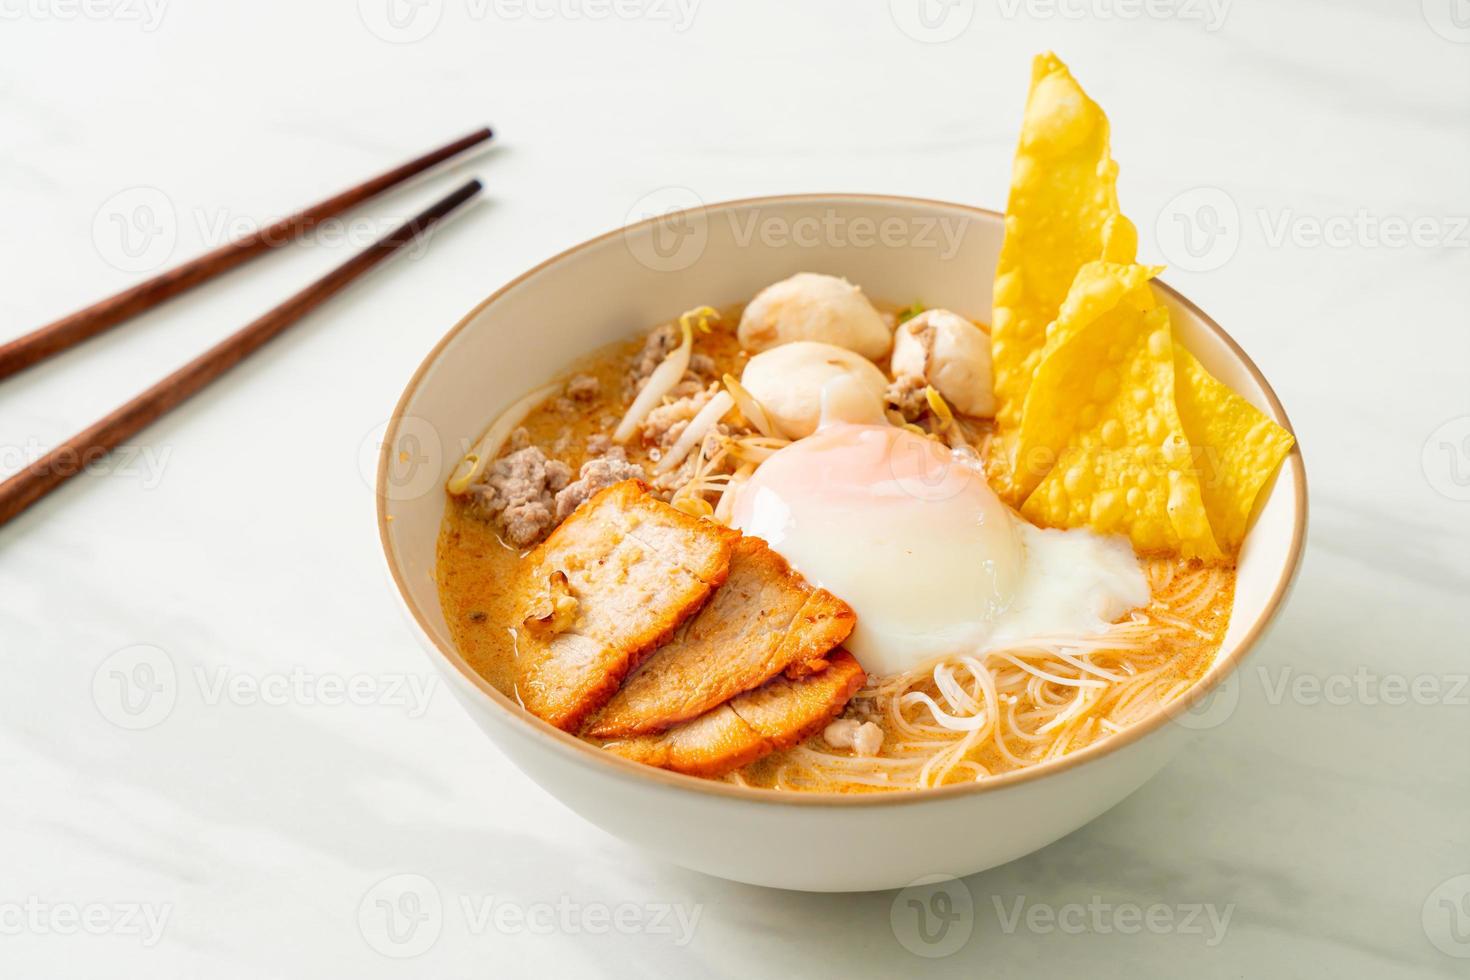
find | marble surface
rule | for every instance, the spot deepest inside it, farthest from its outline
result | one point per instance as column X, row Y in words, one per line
column 222, row 753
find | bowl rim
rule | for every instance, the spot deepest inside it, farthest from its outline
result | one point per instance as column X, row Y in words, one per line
column 575, row 750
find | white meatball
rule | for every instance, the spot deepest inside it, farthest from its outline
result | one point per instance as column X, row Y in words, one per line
column 815, row 307
column 839, row 733
column 846, row 399
column 788, row 382
column 864, row 738
column 868, row 739
column 950, row 353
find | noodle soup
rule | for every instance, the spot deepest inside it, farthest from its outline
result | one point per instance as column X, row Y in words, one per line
column 958, row 715
column 818, row 544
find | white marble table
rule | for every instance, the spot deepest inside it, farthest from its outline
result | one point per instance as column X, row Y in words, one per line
column 1303, row 166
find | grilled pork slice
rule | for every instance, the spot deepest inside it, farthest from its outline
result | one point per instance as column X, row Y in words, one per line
column 764, row 620
column 609, row 585
column 776, row 715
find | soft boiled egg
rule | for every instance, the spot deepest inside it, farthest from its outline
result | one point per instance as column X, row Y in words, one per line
column 933, row 562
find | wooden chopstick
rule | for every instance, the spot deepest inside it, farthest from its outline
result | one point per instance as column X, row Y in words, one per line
column 86, row 447
column 69, row 331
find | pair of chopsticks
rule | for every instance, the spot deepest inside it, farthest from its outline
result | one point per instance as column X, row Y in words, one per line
column 88, row 446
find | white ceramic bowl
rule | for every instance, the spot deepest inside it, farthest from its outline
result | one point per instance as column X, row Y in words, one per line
column 897, row 249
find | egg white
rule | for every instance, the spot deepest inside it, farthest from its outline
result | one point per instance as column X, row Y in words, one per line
column 933, row 562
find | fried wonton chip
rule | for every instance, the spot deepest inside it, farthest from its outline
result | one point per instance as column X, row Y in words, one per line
column 1062, row 213
column 1236, row 446
column 1124, row 464
column 1105, row 301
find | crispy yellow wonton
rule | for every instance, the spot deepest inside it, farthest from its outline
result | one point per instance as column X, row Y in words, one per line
column 1106, row 395
column 1062, row 213
column 1105, row 422
column 1236, row 446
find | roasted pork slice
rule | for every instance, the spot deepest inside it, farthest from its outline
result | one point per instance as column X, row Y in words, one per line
column 611, row 583
column 764, row 620
column 776, row 715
